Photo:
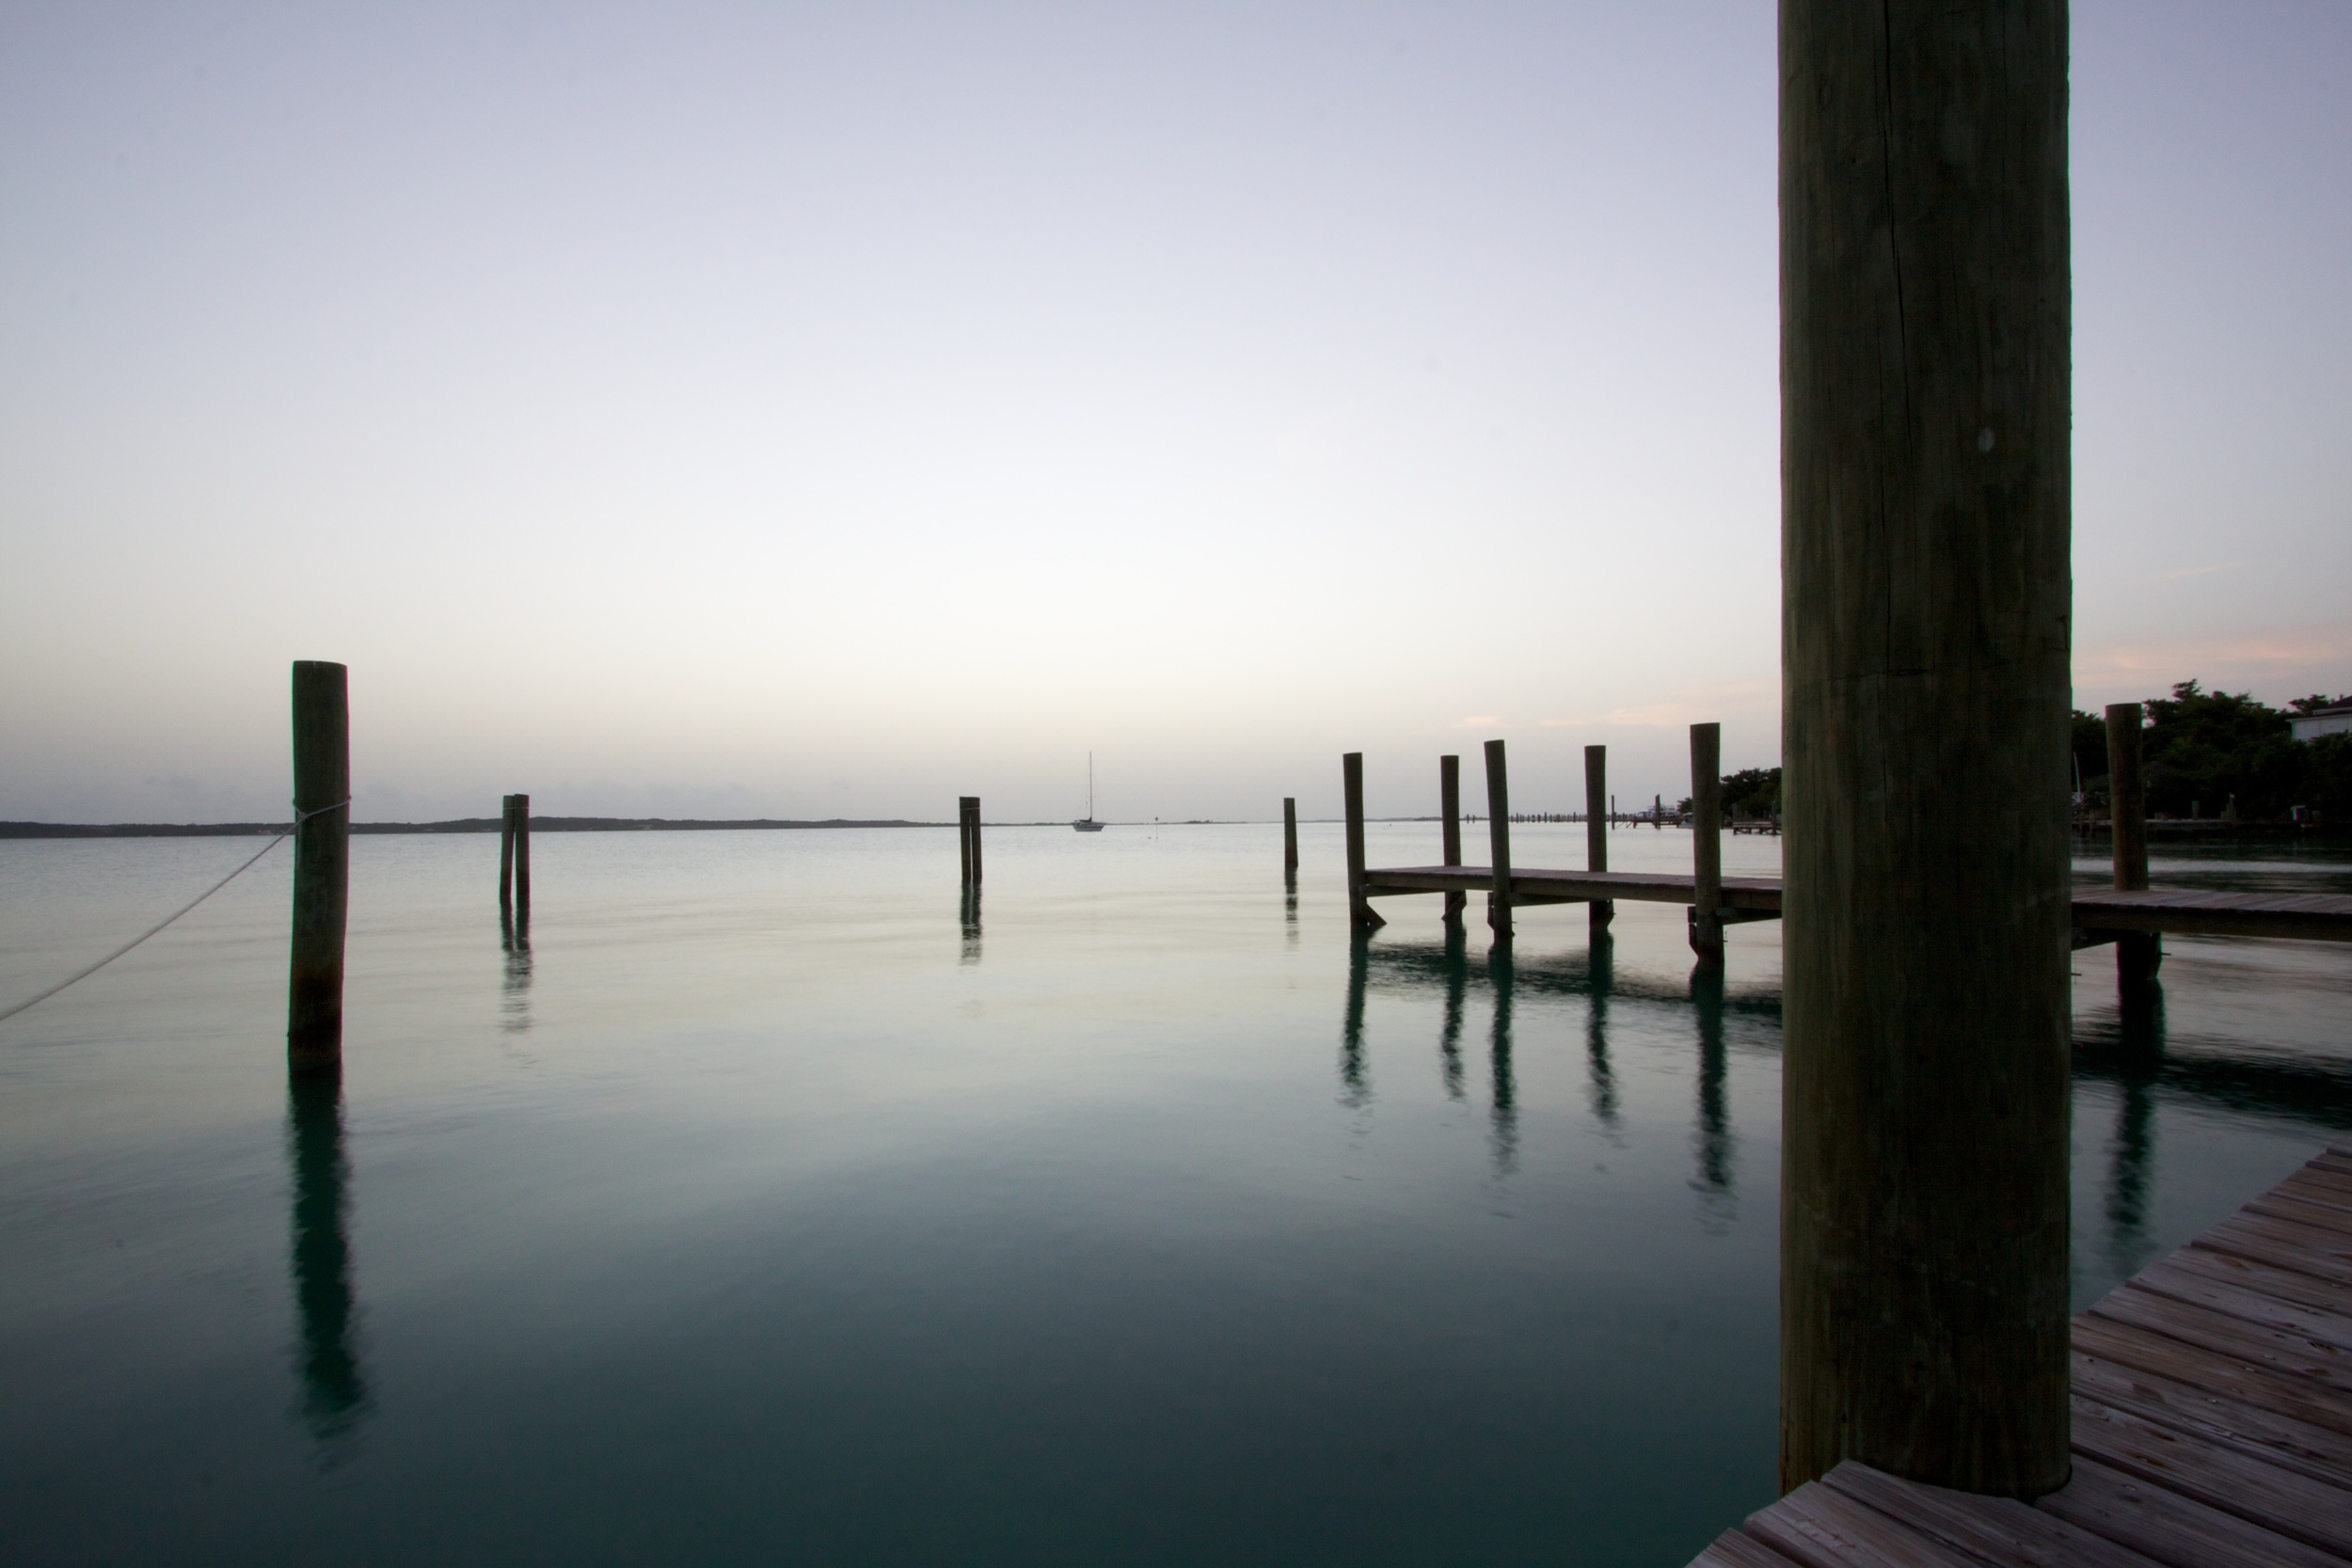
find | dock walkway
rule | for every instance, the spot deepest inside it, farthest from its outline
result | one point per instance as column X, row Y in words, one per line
column 2099, row 912
column 2211, row 1423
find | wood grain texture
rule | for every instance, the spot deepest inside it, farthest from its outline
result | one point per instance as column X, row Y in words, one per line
column 1925, row 330
column 1995, row 1529
column 2171, row 1528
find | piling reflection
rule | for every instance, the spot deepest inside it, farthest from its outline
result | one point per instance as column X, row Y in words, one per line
column 1503, row 1117
column 968, row 913
column 2138, row 1056
column 1355, row 1078
column 1290, row 907
column 1600, row 1076
column 515, row 1000
column 1449, row 1035
column 1712, row 1139
column 334, row 1384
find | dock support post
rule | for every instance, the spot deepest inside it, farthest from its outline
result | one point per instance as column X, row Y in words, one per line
column 1925, row 471
column 1599, row 810
column 506, row 852
column 1498, row 841
column 1359, row 911
column 522, row 857
column 1707, row 842
column 1290, row 836
column 968, row 837
column 2138, row 954
column 1449, row 815
column 322, row 871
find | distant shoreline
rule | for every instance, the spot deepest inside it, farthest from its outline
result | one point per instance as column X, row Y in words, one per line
column 458, row 824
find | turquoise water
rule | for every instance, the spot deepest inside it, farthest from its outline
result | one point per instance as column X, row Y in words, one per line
column 761, row 1207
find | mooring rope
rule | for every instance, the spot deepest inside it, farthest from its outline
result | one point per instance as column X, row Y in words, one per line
column 300, row 817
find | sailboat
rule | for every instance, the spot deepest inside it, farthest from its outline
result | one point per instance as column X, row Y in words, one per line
column 1086, row 824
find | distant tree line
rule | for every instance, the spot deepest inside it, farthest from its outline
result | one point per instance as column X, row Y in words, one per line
column 2216, row 752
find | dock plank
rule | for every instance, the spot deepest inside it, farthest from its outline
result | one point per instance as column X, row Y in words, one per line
column 2159, row 1523
column 2099, row 912
column 2211, row 1415
column 2315, row 1512
column 1735, row 1548
column 1996, row 1529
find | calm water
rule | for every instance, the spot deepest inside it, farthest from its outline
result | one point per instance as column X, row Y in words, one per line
column 763, row 1209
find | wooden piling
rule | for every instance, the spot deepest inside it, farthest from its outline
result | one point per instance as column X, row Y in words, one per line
column 1449, row 815
column 522, row 856
column 968, row 837
column 1599, row 810
column 1360, row 911
column 1925, row 452
column 2138, row 954
column 322, row 870
column 1290, row 836
column 506, row 852
column 1707, row 842
column 1498, row 841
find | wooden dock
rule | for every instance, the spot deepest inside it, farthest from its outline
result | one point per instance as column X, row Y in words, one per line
column 2099, row 912
column 2211, row 1423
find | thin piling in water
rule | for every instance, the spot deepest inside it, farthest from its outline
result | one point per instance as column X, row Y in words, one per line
column 321, row 873
column 1707, row 842
column 1450, row 813
column 1600, row 809
column 1498, row 841
column 2138, row 954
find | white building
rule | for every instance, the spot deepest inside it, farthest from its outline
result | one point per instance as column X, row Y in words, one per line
column 2324, row 721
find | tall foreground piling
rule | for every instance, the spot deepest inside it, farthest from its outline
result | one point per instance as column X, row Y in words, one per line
column 1598, row 811
column 1449, row 815
column 1924, row 555
column 322, row 872
column 519, row 834
column 1498, row 842
column 2138, row 954
column 1707, row 842
column 968, row 837
column 1290, row 836
column 506, row 852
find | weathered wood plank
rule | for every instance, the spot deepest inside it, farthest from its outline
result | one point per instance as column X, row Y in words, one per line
column 1997, row 1530
column 2289, row 1354
column 2297, row 1248
column 2254, row 1429
column 2315, row 1512
column 2283, row 1285
column 2319, row 1217
column 2226, row 1376
column 1824, row 1529
column 2159, row 1523
column 2248, row 1305
column 1734, row 1550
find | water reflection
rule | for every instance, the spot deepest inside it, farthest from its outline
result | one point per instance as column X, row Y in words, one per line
column 515, row 938
column 968, row 912
column 2139, row 1063
column 1450, row 1035
column 1355, row 1079
column 1601, row 1077
column 334, row 1385
column 1503, row 1123
column 1290, row 907
column 1712, row 1139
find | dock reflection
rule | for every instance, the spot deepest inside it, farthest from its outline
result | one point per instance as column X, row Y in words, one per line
column 1599, row 1074
column 515, row 987
column 1449, row 1033
column 968, row 914
column 334, row 1384
column 1355, row 1078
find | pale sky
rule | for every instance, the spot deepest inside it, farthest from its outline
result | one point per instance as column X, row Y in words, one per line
column 820, row 410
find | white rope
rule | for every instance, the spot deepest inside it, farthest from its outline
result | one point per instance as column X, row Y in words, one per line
column 300, row 817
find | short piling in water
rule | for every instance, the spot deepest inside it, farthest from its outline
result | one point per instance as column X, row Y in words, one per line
column 1926, row 595
column 1359, row 911
column 2138, row 954
column 1290, row 836
column 506, row 852
column 322, row 872
column 1707, row 842
column 1498, row 840
column 521, row 810
column 1600, row 809
column 968, row 837
column 1450, row 813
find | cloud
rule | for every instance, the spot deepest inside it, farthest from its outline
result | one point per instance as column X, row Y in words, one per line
column 1481, row 722
column 2298, row 657
column 1693, row 704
